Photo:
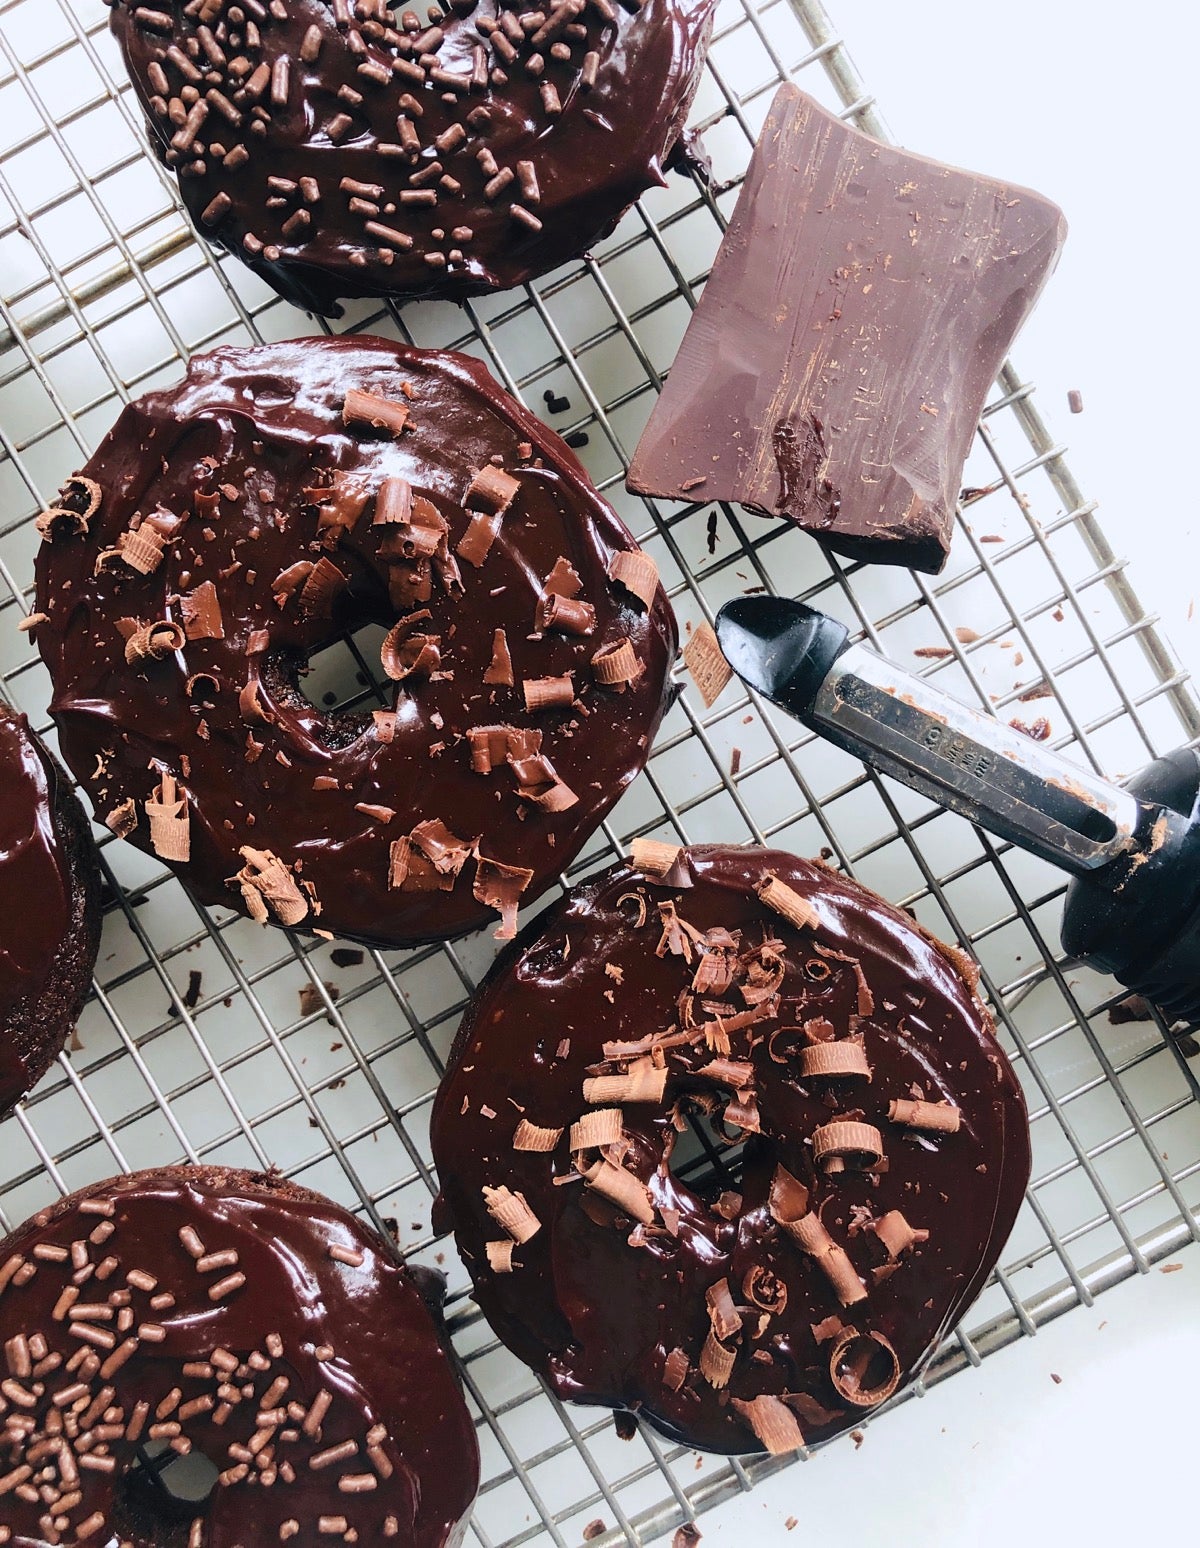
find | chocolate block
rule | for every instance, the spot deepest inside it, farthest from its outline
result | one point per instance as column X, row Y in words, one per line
column 861, row 303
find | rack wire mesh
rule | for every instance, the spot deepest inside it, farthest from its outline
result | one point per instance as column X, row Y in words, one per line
column 195, row 1044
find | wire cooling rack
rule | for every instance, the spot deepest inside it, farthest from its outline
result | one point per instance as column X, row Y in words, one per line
column 210, row 1039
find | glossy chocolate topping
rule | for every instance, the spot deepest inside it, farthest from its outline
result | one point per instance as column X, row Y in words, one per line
column 353, row 149
column 269, row 526
column 860, row 307
column 722, row 1313
column 49, row 908
column 230, row 1315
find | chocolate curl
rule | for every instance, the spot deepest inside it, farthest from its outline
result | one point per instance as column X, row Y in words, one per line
column 847, row 1143
column 250, row 703
column 158, row 640
column 764, row 1289
column 617, row 665
column 385, row 724
column 529, row 1136
column 563, row 580
column 637, row 572
column 288, row 582
column 420, row 537
column 500, row 886
column 374, row 413
column 409, row 583
column 716, row 1361
column 500, row 672
column 399, row 863
column 742, row 1111
column 491, row 490
column 788, row 1198
column 652, row 857
column 415, row 656
column 492, row 747
column 675, row 1370
column 340, row 506
column 201, row 610
column 511, row 1213
column 812, row 1238
column 677, row 935
column 864, row 1367
column 596, row 1129
column 709, row 668
column 728, row 1072
column 627, row 1192
column 476, row 542
column 772, row 1422
column 267, row 884
column 78, row 501
column 122, row 820
column 787, row 901
column 393, row 503
column 895, row 1233
column 325, row 582
column 538, row 782
column 644, row 1081
column 834, row 1060
column 722, row 1313
column 940, row 1117
column 548, row 692
column 446, row 853
column 500, row 1256
column 567, row 615
column 142, row 550
column 170, row 825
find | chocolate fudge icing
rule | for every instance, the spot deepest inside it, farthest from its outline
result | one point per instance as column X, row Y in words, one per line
column 50, row 907
column 861, row 304
column 235, row 1316
column 886, row 1146
column 357, row 149
column 280, row 495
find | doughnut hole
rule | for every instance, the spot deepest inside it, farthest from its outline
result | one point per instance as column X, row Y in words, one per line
column 162, row 1494
column 335, row 687
column 704, row 1159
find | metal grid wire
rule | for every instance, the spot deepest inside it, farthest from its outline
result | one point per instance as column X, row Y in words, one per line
column 195, row 1045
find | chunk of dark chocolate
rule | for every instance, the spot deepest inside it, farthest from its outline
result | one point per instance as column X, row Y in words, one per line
column 860, row 306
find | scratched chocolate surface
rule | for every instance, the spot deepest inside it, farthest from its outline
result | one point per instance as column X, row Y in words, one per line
column 360, row 149
column 614, row 1302
column 244, row 525
column 860, row 306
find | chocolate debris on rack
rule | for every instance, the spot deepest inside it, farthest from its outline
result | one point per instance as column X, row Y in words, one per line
column 860, row 306
column 765, row 1003
column 297, row 492
column 208, row 1311
column 361, row 148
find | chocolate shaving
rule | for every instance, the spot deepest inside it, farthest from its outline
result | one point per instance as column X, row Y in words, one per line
column 566, row 614
column 829, row 1060
column 122, row 820
column 548, row 692
column 141, row 550
column 716, row 1361
column 325, row 582
column 563, row 580
column 446, row 853
column 675, row 1370
column 772, row 1422
column 810, row 1235
column 500, row 672
column 654, row 858
column 414, row 655
column 941, row 1117
column 476, row 542
column 170, row 825
column 78, row 501
column 829, row 1327
column 597, row 1129
column 895, row 1233
column 511, row 1213
column 538, row 783
column 375, row 413
column 267, row 884
column 864, row 1368
column 644, row 1081
column 385, row 724
column 787, row 901
column 617, row 665
column 637, row 572
column 491, row 490
column 627, row 1192
column 844, row 1143
column 529, row 1136
column 709, row 668
column 722, row 1313
column 742, row 1111
column 157, row 640
column 339, row 506
column 494, row 747
column 728, row 1072
column 201, row 609
column 500, row 1256
column 393, row 502
column 500, row 886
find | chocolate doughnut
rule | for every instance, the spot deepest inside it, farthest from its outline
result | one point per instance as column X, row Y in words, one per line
column 773, row 1298
column 210, row 1312
column 354, row 149
column 49, row 905
column 279, row 497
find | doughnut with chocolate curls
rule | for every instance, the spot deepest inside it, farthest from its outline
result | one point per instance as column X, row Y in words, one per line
column 298, row 493
column 747, row 1215
column 208, row 1313
column 362, row 149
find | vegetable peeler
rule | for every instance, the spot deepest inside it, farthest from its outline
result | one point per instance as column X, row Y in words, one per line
column 1133, row 906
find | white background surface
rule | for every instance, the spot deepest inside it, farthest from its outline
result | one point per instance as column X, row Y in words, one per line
column 1080, row 101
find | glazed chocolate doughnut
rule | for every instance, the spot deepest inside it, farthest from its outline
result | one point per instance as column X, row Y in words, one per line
column 766, row 1000
column 252, row 515
column 50, row 907
column 229, row 1314
column 352, row 149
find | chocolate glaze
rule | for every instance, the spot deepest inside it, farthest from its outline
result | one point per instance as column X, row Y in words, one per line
column 381, row 1364
column 337, row 118
column 50, row 906
column 266, row 425
column 860, row 306
column 598, row 1316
